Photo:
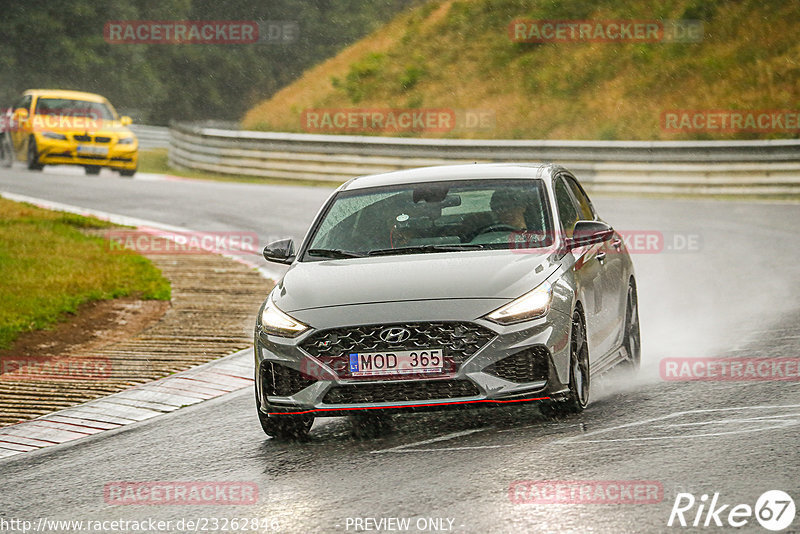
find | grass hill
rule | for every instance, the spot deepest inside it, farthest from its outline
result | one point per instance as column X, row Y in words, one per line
column 458, row 55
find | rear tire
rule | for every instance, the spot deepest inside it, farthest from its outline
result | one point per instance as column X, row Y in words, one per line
column 632, row 342
column 579, row 374
column 92, row 169
column 127, row 173
column 285, row 427
column 33, row 156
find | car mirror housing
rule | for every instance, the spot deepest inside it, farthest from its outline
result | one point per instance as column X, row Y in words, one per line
column 125, row 120
column 280, row 251
column 588, row 233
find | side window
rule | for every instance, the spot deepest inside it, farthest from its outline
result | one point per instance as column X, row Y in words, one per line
column 567, row 213
column 23, row 103
column 584, row 204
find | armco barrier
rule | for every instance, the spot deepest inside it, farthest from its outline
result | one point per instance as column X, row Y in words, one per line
column 151, row 136
column 694, row 167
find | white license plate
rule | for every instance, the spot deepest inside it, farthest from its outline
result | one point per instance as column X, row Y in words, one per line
column 93, row 150
column 396, row 362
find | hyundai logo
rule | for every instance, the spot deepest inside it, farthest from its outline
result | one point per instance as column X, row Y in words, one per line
column 394, row 335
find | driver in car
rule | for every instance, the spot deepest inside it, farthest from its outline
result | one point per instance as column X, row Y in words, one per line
column 509, row 209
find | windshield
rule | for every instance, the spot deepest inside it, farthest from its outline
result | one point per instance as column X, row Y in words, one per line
column 433, row 217
column 65, row 107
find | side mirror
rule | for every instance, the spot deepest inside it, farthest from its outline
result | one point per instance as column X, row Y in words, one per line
column 588, row 233
column 125, row 120
column 280, row 251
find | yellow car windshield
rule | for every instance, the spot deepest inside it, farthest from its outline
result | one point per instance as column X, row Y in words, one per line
column 65, row 107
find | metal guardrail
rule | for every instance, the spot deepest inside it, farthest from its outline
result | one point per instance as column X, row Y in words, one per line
column 151, row 136
column 698, row 167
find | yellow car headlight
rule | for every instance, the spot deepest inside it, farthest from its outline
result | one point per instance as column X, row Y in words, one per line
column 531, row 305
column 125, row 141
column 54, row 135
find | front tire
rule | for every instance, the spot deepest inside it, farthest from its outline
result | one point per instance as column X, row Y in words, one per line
column 285, row 427
column 579, row 376
column 127, row 173
column 92, row 169
column 33, row 156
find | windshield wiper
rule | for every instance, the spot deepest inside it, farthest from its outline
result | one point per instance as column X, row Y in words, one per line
column 425, row 248
column 336, row 253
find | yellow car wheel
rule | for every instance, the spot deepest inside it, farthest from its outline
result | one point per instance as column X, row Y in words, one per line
column 33, row 156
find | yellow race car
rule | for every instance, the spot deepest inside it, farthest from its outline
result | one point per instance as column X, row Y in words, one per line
column 50, row 127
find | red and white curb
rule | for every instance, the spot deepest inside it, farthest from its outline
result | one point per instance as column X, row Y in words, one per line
column 204, row 382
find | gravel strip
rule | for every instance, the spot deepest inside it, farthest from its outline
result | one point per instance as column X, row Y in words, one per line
column 211, row 315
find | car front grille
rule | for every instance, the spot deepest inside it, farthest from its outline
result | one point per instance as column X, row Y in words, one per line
column 100, row 139
column 280, row 381
column 82, row 138
column 529, row 365
column 400, row 391
column 458, row 340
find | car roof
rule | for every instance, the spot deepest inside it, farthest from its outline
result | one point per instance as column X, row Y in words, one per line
column 476, row 171
column 61, row 93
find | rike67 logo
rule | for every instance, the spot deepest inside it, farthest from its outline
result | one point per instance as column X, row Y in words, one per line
column 774, row 510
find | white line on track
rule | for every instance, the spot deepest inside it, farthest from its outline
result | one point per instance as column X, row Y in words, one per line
column 779, row 422
column 408, row 447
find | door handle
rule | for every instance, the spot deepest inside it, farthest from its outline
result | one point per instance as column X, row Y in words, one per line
column 601, row 257
column 617, row 243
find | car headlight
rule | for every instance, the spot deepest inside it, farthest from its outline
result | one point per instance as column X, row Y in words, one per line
column 277, row 323
column 54, row 135
column 125, row 141
column 531, row 305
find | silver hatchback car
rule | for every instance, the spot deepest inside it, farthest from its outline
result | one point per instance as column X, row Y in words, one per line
column 442, row 287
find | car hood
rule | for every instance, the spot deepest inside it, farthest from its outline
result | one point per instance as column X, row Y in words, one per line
column 80, row 125
column 450, row 275
column 110, row 127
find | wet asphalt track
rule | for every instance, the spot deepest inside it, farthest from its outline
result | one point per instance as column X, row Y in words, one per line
column 734, row 294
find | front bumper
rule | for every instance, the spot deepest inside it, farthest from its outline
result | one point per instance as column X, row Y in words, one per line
column 513, row 364
column 65, row 152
